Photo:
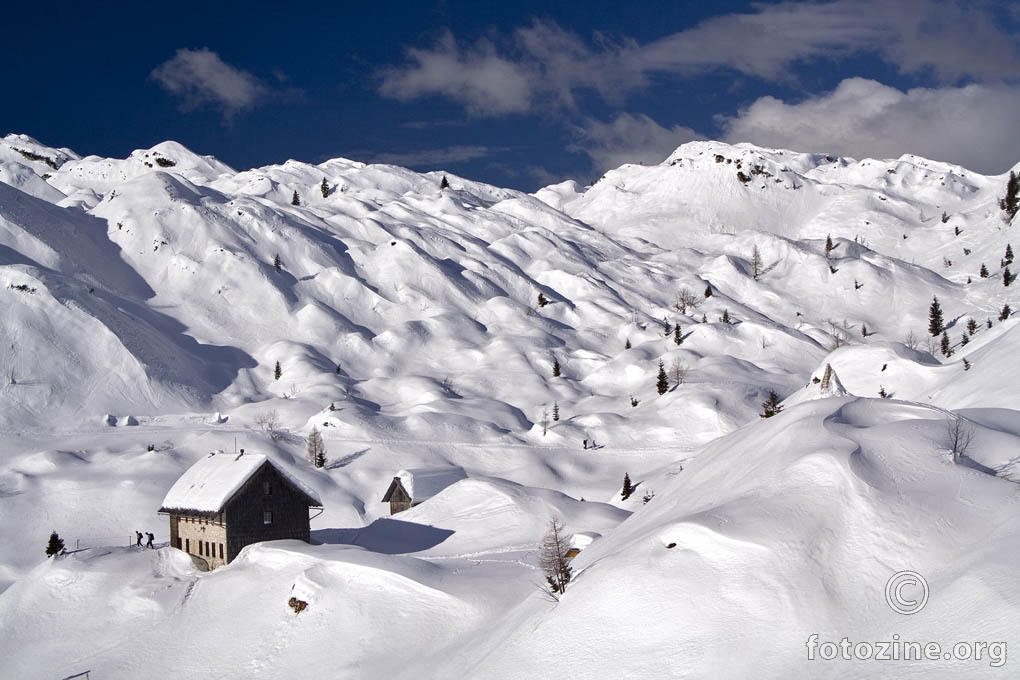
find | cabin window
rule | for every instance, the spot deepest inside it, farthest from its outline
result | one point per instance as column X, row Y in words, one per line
column 221, row 551
column 267, row 488
column 187, row 545
column 267, row 516
column 178, row 542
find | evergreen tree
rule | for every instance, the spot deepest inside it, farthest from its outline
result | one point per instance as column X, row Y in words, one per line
column 946, row 348
column 661, row 382
column 556, row 367
column 708, row 291
column 964, row 339
column 444, row 183
column 1009, row 254
column 627, row 345
column 988, row 322
column 828, row 246
column 935, row 326
column 1010, row 203
column 984, row 271
column 627, row 488
column 771, row 406
column 678, row 338
column 277, row 371
column 1007, row 277
column 556, row 411
column 277, row 263
column 864, row 330
column 295, row 199
column 316, row 448
column 725, row 318
column 704, row 318
column 542, row 301
column 668, row 328
column 1005, row 313
column 324, row 188
column 971, row 326
column 882, row 393
column 55, row 546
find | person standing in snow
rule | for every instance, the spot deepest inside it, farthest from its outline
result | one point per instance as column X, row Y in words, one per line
column 138, row 539
column 148, row 543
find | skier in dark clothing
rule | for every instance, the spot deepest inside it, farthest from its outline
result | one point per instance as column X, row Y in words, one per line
column 148, row 543
column 138, row 538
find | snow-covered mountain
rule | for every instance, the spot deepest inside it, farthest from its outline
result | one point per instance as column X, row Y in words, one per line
column 148, row 302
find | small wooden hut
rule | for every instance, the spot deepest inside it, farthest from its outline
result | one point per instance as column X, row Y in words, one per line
column 411, row 487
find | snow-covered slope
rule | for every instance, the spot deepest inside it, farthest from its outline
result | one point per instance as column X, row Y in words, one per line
column 163, row 306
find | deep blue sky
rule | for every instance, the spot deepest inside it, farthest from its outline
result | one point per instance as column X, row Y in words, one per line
column 520, row 94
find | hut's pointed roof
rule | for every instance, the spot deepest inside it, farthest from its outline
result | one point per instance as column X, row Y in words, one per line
column 206, row 486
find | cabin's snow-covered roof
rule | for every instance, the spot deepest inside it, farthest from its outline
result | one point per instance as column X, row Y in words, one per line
column 207, row 485
column 424, row 483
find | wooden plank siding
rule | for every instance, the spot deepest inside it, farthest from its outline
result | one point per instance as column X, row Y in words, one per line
column 245, row 512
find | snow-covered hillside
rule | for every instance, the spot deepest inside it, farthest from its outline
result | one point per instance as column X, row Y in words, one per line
column 149, row 303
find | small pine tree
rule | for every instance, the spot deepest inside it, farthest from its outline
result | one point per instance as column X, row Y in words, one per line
column 1005, row 313
column 277, row 263
column 771, row 406
column 295, row 199
column 757, row 264
column 945, row 346
column 882, row 393
column 1010, row 203
column 444, row 183
column 828, row 246
column 316, row 449
column 864, row 330
column 542, row 301
column 678, row 337
column 988, row 322
column 964, row 339
column 324, row 188
column 1007, row 277
column 553, row 559
column 55, row 546
column 668, row 327
column 725, row 318
column 556, row 411
column 1009, row 254
column 984, row 271
column 277, row 371
column 627, row 344
column 971, row 326
column 556, row 368
column 628, row 489
column 661, row 381
column 966, row 365
column 708, row 291
column 935, row 326
column 704, row 318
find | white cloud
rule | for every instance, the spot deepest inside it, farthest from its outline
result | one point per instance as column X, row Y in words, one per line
column 199, row 77
column 543, row 63
column 974, row 126
column 432, row 158
column 481, row 80
column 629, row 138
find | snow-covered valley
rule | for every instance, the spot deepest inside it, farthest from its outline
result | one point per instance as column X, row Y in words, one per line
column 163, row 306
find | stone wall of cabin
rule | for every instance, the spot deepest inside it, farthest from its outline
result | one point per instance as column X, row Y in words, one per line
column 205, row 539
column 245, row 514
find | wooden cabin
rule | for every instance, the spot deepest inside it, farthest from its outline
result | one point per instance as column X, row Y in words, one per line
column 226, row 501
column 412, row 487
